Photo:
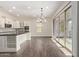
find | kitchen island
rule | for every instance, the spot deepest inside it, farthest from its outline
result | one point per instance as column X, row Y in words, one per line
column 12, row 38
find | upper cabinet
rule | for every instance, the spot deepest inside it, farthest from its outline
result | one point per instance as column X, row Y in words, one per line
column 6, row 22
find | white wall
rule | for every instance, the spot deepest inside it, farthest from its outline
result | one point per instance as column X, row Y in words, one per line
column 74, row 24
column 78, row 29
column 46, row 29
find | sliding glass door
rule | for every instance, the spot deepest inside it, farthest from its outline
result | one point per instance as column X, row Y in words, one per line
column 63, row 29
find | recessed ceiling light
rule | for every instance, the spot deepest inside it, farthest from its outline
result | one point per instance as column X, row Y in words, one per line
column 10, row 10
column 13, row 7
column 28, row 7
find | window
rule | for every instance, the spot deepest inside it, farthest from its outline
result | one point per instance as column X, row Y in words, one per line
column 39, row 27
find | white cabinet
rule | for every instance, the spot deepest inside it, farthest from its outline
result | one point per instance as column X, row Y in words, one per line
column 11, row 41
column 3, row 42
column 20, row 39
column 7, row 43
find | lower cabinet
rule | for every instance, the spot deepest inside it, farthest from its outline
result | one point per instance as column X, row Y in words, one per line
column 11, row 41
column 7, row 43
column 3, row 42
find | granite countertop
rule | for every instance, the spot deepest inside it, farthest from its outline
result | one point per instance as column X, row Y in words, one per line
column 12, row 31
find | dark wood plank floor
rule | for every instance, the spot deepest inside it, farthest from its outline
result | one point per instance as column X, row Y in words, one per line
column 39, row 47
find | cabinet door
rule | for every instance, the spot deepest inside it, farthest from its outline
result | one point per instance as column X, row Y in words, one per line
column 3, row 42
column 11, row 41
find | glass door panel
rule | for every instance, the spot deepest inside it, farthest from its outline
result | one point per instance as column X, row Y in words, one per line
column 68, row 29
column 62, row 29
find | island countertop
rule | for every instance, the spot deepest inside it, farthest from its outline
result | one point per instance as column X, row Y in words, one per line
column 12, row 31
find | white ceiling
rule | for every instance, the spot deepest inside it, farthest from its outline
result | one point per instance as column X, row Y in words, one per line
column 30, row 9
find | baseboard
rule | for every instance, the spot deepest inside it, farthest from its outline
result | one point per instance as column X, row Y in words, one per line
column 41, row 36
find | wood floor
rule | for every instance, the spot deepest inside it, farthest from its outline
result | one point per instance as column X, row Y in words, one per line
column 38, row 47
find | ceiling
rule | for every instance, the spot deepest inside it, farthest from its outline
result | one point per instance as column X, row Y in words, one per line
column 30, row 9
